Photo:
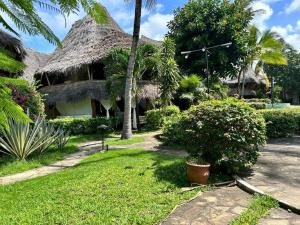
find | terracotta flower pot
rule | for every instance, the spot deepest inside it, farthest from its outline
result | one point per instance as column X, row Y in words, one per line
column 197, row 173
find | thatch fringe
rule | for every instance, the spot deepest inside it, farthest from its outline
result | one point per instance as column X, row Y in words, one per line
column 94, row 89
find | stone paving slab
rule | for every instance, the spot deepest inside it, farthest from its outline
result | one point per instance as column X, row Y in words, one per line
column 277, row 171
column 280, row 217
column 217, row 207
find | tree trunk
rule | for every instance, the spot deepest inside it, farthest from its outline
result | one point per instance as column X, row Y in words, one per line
column 239, row 83
column 243, row 84
column 127, row 129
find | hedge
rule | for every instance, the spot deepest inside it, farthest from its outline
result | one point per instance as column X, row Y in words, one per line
column 84, row 125
column 258, row 103
column 281, row 122
column 156, row 118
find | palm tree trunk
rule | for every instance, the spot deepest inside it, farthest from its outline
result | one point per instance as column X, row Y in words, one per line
column 127, row 129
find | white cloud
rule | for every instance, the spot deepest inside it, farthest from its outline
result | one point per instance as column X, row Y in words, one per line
column 155, row 26
column 289, row 33
column 262, row 17
column 293, row 6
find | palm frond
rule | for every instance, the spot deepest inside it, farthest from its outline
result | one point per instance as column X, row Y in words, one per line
column 277, row 58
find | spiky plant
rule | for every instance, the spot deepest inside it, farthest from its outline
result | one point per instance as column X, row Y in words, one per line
column 21, row 140
column 47, row 129
column 62, row 139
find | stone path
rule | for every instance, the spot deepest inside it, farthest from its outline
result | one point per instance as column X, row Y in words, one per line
column 217, row 207
column 277, row 171
column 86, row 149
column 280, row 217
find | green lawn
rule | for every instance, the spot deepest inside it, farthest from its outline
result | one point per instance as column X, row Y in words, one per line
column 8, row 165
column 116, row 187
column 259, row 207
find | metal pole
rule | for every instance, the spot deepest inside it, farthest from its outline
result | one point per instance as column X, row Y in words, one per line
column 207, row 72
column 272, row 91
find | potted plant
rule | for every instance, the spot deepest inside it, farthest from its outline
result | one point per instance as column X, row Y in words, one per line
column 197, row 170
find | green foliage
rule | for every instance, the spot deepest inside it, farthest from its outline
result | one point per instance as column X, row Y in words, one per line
column 257, row 103
column 190, row 83
column 9, row 64
column 168, row 72
column 21, row 140
column 24, row 14
column 260, row 207
column 156, row 118
column 287, row 76
column 224, row 133
column 26, row 95
column 62, row 139
column 196, row 25
column 83, row 125
column 115, row 187
column 146, row 68
column 9, row 109
column 281, row 122
column 8, row 165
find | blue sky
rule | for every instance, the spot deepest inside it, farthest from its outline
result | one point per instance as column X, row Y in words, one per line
column 282, row 16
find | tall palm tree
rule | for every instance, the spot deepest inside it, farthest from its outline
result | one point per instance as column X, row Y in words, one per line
column 23, row 14
column 127, row 128
column 263, row 48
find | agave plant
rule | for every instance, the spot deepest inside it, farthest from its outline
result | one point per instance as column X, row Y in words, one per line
column 62, row 139
column 47, row 129
column 21, row 140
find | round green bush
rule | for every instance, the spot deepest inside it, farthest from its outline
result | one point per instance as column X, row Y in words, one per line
column 225, row 132
column 156, row 118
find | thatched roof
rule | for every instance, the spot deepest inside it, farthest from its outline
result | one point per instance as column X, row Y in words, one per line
column 33, row 60
column 86, row 43
column 12, row 44
column 251, row 78
column 95, row 89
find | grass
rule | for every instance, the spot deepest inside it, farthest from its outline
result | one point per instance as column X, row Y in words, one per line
column 9, row 165
column 260, row 206
column 116, row 187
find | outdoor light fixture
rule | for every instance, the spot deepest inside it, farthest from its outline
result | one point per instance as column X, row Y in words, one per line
column 205, row 49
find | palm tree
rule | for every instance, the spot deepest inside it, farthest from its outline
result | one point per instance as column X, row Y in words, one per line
column 263, row 48
column 127, row 129
column 24, row 14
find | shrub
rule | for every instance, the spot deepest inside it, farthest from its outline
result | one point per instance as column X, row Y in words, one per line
column 21, row 140
column 156, row 118
column 83, row 125
column 62, row 139
column 257, row 103
column 281, row 122
column 225, row 132
column 25, row 95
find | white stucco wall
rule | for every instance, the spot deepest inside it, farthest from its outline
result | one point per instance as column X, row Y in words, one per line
column 79, row 108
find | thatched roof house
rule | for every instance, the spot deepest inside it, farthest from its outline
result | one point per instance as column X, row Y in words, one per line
column 74, row 77
column 13, row 45
column 253, row 83
column 33, row 61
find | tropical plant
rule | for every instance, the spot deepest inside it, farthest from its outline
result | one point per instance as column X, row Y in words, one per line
column 263, row 48
column 168, row 72
column 287, row 76
column 23, row 14
column 10, row 109
column 62, row 139
column 8, row 63
column 225, row 133
column 21, row 140
column 47, row 129
column 127, row 128
column 202, row 23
